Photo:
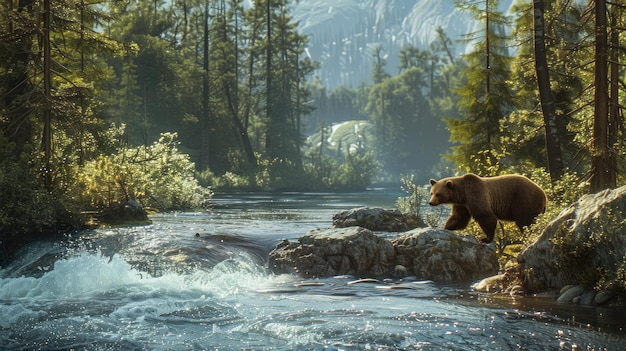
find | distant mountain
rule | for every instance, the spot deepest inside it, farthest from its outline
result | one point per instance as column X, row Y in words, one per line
column 342, row 33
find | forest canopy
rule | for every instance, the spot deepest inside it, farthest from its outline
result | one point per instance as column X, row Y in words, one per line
column 107, row 101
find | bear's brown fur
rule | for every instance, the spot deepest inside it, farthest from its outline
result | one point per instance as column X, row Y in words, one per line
column 508, row 197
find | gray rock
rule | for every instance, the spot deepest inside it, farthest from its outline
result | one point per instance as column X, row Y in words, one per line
column 443, row 256
column 586, row 238
column 333, row 251
column 571, row 293
column 399, row 271
column 489, row 284
column 603, row 296
column 129, row 212
column 587, row 297
column 428, row 253
column 372, row 218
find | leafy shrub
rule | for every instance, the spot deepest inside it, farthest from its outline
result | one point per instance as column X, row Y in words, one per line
column 25, row 207
column 357, row 171
column 560, row 193
column 411, row 205
column 158, row 175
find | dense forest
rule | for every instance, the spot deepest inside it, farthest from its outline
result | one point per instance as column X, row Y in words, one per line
column 103, row 102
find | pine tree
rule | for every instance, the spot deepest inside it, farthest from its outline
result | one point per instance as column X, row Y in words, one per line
column 486, row 95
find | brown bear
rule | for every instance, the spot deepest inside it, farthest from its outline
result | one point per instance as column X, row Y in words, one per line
column 507, row 197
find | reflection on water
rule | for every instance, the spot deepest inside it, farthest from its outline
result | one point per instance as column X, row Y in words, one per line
column 198, row 281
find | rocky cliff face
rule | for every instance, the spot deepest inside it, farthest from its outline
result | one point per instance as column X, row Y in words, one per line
column 343, row 32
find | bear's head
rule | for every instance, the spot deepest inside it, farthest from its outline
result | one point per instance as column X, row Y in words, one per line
column 446, row 191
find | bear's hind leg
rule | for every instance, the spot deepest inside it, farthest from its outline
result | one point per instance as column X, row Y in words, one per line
column 459, row 219
column 488, row 223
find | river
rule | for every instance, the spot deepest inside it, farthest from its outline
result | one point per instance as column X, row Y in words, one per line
column 199, row 281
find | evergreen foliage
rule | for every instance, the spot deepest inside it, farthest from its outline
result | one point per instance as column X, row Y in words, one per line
column 223, row 89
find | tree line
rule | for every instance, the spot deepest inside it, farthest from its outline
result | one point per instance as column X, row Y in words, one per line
column 541, row 88
column 105, row 101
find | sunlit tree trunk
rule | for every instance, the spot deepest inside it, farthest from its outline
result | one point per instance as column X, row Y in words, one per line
column 553, row 145
column 614, row 105
column 602, row 171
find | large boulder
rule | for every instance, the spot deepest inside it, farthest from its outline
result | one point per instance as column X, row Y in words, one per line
column 584, row 245
column 372, row 218
column 428, row 253
column 334, row 251
column 443, row 256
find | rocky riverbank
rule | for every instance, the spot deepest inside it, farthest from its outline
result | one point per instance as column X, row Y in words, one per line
column 426, row 253
column 580, row 257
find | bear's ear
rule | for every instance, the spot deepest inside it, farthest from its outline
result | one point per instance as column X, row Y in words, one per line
column 432, row 181
column 449, row 184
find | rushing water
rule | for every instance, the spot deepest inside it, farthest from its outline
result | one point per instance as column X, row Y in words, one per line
column 198, row 281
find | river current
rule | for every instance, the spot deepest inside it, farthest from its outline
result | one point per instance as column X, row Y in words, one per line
column 199, row 281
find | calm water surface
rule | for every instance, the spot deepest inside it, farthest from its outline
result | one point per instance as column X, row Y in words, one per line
column 162, row 287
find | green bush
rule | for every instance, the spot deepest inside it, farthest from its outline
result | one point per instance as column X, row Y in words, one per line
column 411, row 205
column 24, row 207
column 27, row 207
column 158, row 175
column 560, row 193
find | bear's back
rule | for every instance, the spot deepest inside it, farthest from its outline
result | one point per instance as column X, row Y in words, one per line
column 515, row 197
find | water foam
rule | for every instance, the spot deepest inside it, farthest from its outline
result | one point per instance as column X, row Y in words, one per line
column 93, row 277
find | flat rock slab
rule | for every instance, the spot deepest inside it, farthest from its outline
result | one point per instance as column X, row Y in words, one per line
column 372, row 218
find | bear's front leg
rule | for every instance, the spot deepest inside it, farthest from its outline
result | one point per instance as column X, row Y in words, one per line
column 488, row 223
column 459, row 219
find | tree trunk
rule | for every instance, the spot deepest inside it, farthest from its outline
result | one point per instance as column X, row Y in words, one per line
column 553, row 145
column 46, row 140
column 488, row 112
column 17, row 81
column 614, row 105
column 205, row 152
column 602, row 172
column 269, row 134
column 233, row 99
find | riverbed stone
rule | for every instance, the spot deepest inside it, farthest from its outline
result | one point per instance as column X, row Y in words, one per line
column 444, row 256
column 372, row 218
column 334, row 251
column 603, row 296
column 569, row 294
column 490, row 284
column 587, row 297
column 587, row 238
